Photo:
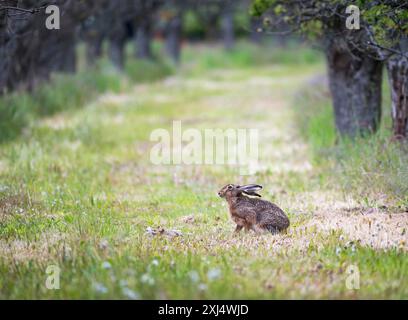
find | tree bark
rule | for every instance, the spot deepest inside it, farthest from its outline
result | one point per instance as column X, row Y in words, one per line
column 355, row 84
column 143, row 40
column 227, row 26
column 398, row 79
column 93, row 49
column 64, row 60
column 173, row 38
column 117, row 52
column 397, row 68
column 256, row 33
column 117, row 42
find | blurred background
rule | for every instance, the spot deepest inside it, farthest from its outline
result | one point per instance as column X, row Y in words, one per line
column 144, row 40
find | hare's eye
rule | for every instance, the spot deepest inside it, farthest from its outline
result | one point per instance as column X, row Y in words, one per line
column 229, row 187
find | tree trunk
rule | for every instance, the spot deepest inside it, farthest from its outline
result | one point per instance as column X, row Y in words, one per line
column 143, row 40
column 227, row 26
column 256, row 30
column 397, row 68
column 355, row 84
column 4, row 62
column 173, row 38
column 67, row 58
column 94, row 49
column 210, row 22
column 117, row 42
column 117, row 52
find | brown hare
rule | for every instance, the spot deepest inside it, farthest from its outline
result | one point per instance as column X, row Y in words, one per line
column 252, row 213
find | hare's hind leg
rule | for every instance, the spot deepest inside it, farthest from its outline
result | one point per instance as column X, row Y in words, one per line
column 272, row 229
column 258, row 229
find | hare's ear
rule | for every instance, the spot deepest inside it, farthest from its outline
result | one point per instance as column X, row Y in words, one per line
column 251, row 189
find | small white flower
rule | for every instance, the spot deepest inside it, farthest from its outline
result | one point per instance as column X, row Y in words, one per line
column 338, row 251
column 214, row 274
column 155, row 262
column 146, row 278
column 202, row 287
column 100, row 288
column 130, row 294
column 104, row 244
column 106, row 265
column 194, row 276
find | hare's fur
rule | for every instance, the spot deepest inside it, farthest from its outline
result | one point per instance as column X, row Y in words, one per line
column 253, row 213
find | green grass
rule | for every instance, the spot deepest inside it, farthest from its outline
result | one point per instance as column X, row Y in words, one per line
column 246, row 56
column 373, row 167
column 63, row 92
column 78, row 191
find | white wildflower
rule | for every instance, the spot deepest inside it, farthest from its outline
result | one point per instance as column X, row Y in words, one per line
column 194, row 276
column 146, row 278
column 100, row 288
column 130, row 294
column 338, row 251
column 214, row 274
column 202, row 287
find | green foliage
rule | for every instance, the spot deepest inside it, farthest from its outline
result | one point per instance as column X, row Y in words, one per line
column 388, row 23
column 388, row 20
column 259, row 7
column 192, row 26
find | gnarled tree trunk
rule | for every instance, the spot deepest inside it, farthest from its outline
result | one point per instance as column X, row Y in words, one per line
column 397, row 68
column 355, row 83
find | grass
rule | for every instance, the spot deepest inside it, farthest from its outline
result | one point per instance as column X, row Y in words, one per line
column 18, row 109
column 78, row 191
column 246, row 56
column 372, row 167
